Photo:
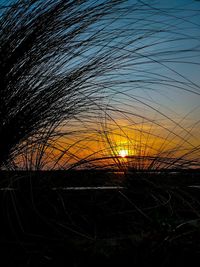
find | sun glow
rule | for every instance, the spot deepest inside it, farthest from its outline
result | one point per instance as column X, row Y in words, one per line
column 123, row 153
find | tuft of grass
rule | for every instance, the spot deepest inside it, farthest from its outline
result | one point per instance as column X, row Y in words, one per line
column 80, row 79
column 51, row 52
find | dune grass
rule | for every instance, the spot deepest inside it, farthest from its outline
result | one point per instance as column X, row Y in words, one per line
column 79, row 79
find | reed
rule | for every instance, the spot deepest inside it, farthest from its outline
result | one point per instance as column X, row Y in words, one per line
column 73, row 71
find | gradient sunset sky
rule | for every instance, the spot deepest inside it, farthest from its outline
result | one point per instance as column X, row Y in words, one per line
column 161, row 83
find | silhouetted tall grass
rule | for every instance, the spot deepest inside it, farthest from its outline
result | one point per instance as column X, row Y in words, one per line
column 73, row 73
column 51, row 51
column 80, row 81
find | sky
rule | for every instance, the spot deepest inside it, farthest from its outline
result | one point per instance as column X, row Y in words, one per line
column 160, row 80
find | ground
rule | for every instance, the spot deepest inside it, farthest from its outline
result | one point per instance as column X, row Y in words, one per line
column 152, row 219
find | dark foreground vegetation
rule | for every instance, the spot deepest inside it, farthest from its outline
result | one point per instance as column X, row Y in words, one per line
column 154, row 220
column 86, row 84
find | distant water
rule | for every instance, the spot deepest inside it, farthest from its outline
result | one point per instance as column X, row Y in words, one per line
column 88, row 188
column 73, row 188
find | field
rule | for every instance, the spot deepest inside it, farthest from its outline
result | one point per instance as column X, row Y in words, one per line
column 117, row 219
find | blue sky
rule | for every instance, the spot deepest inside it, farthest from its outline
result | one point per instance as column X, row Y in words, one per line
column 181, row 21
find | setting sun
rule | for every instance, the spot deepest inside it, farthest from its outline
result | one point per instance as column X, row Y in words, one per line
column 123, row 153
